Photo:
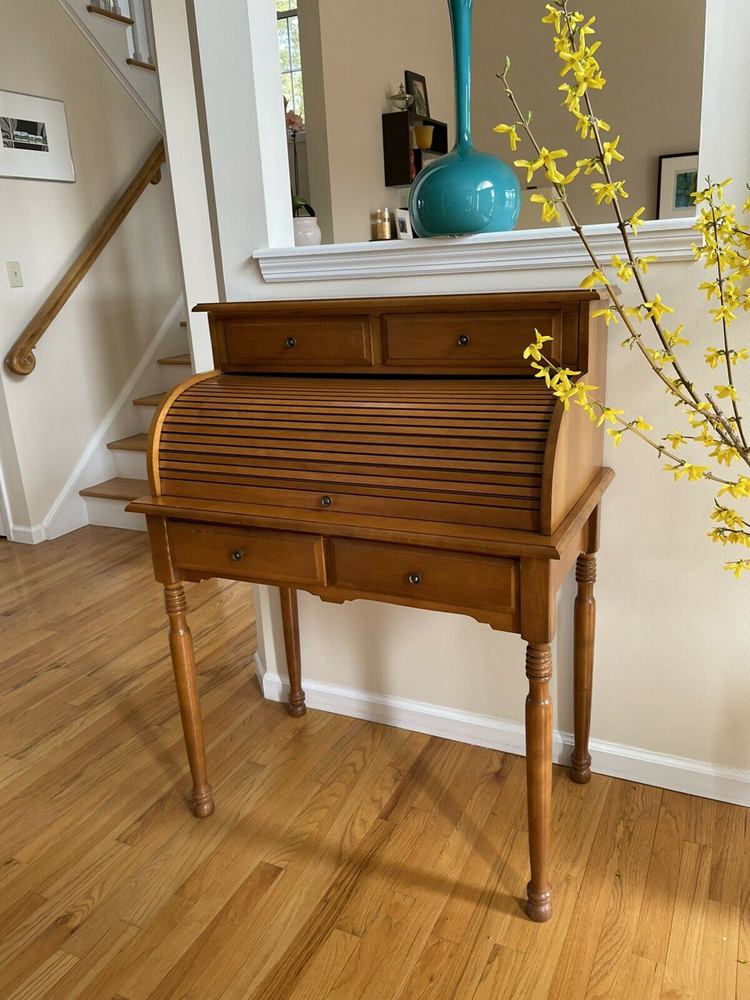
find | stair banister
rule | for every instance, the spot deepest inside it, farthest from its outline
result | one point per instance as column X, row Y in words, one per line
column 20, row 360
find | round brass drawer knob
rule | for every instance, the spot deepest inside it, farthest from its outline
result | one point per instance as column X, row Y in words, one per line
column 326, row 501
column 463, row 340
column 415, row 578
column 238, row 554
column 291, row 342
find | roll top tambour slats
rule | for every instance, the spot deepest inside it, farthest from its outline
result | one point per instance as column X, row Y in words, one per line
column 459, row 450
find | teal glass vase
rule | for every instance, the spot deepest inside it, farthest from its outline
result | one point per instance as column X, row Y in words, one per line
column 465, row 191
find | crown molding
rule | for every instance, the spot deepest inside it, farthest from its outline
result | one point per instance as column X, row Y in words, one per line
column 530, row 249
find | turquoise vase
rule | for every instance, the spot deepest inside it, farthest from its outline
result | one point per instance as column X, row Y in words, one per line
column 465, row 191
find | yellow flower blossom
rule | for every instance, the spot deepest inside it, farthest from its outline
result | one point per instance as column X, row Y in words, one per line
column 596, row 277
column 611, row 152
column 512, row 132
column 534, row 350
column 726, row 392
column 643, row 263
column 624, row 269
column 693, row 472
column 609, row 191
column 609, row 415
column 636, row 220
column 656, row 308
column 609, row 314
column 615, row 435
column 550, row 211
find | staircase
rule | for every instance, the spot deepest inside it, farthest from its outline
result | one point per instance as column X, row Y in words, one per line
column 105, row 501
column 120, row 32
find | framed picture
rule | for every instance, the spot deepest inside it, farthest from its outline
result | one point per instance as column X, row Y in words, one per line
column 416, row 85
column 678, row 180
column 34, row 140
column 403, row 224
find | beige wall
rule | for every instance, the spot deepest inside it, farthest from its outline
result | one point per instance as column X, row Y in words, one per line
column 365, row 49
column 97, row 340
column 653, row 56
column 652, row 98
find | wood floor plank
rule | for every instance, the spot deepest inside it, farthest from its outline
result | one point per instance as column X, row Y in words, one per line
column 682, row 971
column 345, row 861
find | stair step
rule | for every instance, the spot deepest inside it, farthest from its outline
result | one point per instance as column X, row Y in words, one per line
column 137, row 442
column 176, row 359
column 141, row 65
column 110, row 14
column 156, row 400
column 118, row 489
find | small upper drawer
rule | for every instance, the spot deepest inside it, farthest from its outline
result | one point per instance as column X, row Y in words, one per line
column 481, row 340
column 423, row 576
column 291, row 343
column 277, row 557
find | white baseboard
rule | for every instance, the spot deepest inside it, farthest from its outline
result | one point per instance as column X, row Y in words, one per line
column 27, row 534
column 679, row 774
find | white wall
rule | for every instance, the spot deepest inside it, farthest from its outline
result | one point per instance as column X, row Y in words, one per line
column 97, row 340
column 674, row 636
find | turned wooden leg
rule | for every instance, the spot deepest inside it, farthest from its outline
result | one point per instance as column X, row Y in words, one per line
column 539, row 778
column 183, row 663
column 291, row 643
column 585, row 623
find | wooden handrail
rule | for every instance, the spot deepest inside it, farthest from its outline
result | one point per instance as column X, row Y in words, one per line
column 21, row 360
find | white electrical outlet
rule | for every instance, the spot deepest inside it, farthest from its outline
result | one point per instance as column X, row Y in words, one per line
column 15, row 278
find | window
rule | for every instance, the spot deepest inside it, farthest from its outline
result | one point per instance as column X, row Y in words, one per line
column 291, row 63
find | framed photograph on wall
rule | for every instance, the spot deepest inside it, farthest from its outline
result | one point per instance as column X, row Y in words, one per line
column 678, row 181
column 34, row 141
column 416, row 85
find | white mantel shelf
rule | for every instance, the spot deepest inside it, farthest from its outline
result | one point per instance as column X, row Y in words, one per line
column 529, row 249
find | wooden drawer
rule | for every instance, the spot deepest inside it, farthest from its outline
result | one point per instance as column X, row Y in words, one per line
column 280, row 557
column 449, row 579
column 300, row 343
column 479, row 340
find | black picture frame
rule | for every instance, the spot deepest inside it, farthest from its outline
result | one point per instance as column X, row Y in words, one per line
column 416, row 85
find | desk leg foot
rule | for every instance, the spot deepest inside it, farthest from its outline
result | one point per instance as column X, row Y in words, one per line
column 585, row 624
column 538, row 905
column 539, row 778
column 291, row 643
column 183, row 664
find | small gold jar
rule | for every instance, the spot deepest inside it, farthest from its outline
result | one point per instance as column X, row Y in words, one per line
column 381, row 224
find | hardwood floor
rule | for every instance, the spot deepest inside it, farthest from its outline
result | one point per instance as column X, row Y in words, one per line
column 345, row 859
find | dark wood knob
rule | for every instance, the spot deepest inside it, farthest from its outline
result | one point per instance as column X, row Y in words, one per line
column 238, row 554
column 326, row 501
column 463, row 340
column 291, row 342
column 415, row 578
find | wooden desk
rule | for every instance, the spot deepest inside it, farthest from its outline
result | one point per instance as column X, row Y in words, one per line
column 395, row 450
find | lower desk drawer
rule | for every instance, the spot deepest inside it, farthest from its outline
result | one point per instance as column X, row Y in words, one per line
column 453, row 579
column 278, row 557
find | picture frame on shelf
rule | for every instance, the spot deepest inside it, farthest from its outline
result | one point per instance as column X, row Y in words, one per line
column 416, row 85
column 404, row 229
column 34, row 140
column 678, row 181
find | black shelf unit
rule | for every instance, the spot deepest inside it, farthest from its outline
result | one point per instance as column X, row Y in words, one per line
column 401, row 163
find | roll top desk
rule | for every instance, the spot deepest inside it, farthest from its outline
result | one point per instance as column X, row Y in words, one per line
column 396, row 450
